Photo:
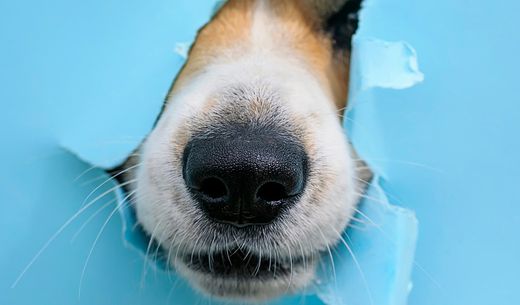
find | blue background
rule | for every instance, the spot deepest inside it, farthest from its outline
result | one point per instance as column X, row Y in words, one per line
column 447, row 148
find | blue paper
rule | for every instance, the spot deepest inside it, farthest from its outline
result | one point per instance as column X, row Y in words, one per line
column 448, row 146
column 87, row 82
column 373, row 261
column 82, row 83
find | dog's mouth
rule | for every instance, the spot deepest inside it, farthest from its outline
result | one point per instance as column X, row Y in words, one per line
column 238, row 263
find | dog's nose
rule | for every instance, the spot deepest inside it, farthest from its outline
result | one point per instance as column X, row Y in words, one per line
column 245, row 178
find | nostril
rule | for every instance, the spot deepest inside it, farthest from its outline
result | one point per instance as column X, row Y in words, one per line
column 272, row 191
column 213, row 188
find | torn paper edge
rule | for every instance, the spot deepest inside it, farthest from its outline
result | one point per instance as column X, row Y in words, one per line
column 404, row 246
column 385, row 64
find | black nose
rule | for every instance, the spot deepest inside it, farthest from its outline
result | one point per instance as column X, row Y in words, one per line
column 246, row 177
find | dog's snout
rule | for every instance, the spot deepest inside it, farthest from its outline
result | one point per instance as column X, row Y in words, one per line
column 245, row 178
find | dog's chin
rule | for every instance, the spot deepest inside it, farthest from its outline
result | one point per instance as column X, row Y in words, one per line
column 235, row 275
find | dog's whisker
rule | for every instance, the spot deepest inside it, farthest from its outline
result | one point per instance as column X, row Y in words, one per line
column 168, row 257
column 111, row 178
column 228, row 257
column 362, row 214
column 83, row 173
column 291, row 269
column 257, row 269
column 145, row 259
column 359, row 228
column 91, row 217
column 211, row 249
column 355, row 219
column 331, row 257
column 114, row 211
column 363, row 185
column 371, row 198
column 303, row 255
column 90, row 181
column 270, row 259
column 387, row 236
column 403, row 162
column 158, row 247
column 275, row 262
column 60, row 230
column 194, row 247
column 358, row 266
column 175, row 260
column 248, row 256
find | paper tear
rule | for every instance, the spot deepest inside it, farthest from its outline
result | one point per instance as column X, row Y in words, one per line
column 384, row 248
column 182, row 49
column 385, row 64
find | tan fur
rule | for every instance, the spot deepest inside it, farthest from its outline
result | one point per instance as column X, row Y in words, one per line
column 225, row 36
column 228, row 36
column 301, row 32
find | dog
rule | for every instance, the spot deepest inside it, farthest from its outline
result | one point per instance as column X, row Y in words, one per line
column 247, row 178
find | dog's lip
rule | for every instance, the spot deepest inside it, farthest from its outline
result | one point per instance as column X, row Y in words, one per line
column 243, row 264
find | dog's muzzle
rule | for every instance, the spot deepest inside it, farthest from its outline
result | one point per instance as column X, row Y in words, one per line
column 245, row 176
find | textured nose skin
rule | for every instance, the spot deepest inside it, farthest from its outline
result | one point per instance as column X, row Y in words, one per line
column 246, row 177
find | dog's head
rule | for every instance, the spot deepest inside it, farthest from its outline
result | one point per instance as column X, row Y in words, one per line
column 247, row 177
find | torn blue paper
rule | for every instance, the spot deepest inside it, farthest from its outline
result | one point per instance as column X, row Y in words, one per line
column 373, row 262
column 92, row 76
column 384, row 64
column 94, row 97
